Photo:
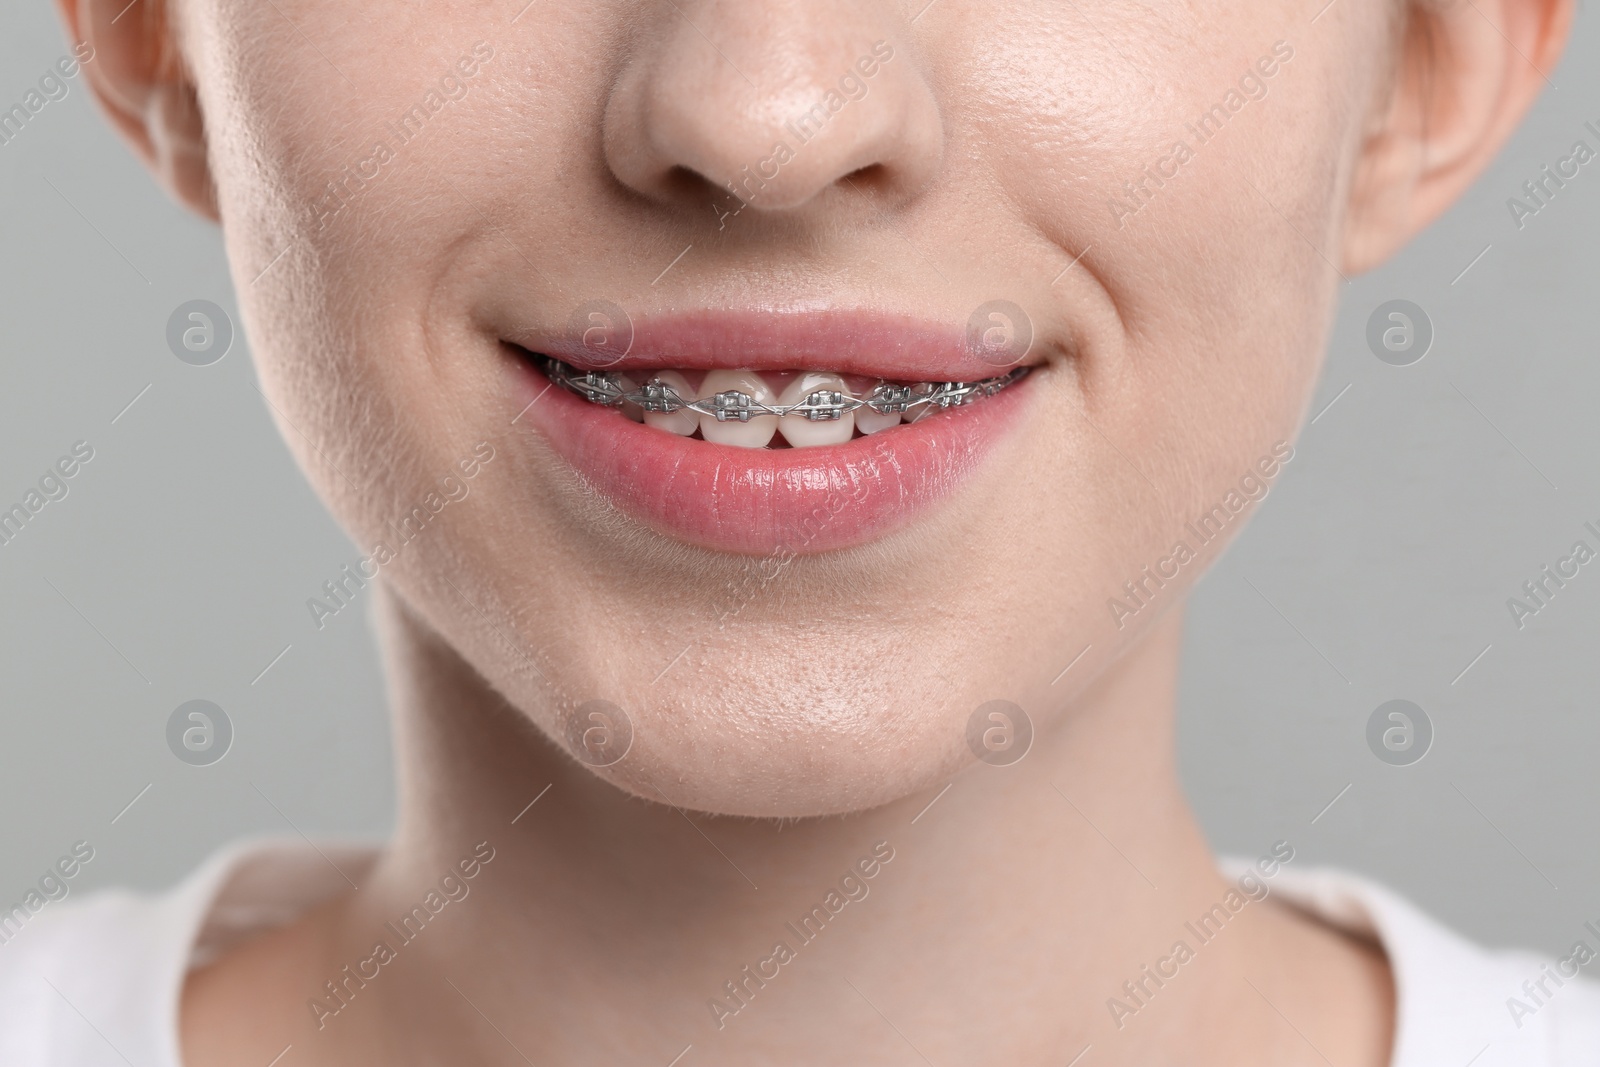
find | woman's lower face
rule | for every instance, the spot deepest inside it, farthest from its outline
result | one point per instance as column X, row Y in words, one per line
column 1140, row 203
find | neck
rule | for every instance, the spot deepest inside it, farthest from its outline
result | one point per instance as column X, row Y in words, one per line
column 1026, row 901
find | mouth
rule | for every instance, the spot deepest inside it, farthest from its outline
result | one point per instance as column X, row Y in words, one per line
column 769, row 433
column 749, row 409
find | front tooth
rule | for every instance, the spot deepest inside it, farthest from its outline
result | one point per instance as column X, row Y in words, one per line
column 802, row 432
column 681, row 422
column 631, row 410
column 753, row 434
column 869, row 421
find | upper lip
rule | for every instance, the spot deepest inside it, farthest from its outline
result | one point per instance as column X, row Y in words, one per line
column 868, row 343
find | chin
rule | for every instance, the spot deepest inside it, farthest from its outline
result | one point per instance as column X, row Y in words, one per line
column 783, row 762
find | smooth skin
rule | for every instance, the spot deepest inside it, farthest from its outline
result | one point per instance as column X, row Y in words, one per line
column 1178, row 344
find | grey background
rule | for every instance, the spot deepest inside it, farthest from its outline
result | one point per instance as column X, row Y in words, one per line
column 178, row 566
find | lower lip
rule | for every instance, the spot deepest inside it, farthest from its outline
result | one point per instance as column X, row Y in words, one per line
column 763, row 501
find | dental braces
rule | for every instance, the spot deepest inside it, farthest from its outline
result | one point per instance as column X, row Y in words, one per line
column 607, row 389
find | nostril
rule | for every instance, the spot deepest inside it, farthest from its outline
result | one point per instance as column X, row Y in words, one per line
column 871, row 177
column 687, row 185
column 685, row 181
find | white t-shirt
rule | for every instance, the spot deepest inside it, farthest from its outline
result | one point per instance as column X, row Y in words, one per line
column 96, row 982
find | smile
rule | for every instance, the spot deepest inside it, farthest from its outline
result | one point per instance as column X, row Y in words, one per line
column 743, row 408
column 704, row 433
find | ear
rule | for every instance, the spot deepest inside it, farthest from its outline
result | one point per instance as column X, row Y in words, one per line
column 1464, row 74
column 134, row 70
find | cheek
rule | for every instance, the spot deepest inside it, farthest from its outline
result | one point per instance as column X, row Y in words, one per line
column 1212, row 246
column 1204, row 291
column 340, row 232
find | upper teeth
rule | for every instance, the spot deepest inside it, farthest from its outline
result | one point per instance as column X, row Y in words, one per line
column 738, row 407
column 812, row 392
column 736, row 396
column 662, row 417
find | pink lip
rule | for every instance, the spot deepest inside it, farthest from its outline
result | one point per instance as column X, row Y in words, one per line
column 897, row 347
column 769, row 501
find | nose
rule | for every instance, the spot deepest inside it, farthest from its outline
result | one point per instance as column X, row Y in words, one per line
column 776, row 102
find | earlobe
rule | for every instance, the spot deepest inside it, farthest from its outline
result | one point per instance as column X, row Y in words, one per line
column 1464, row 76
column 138, row 78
